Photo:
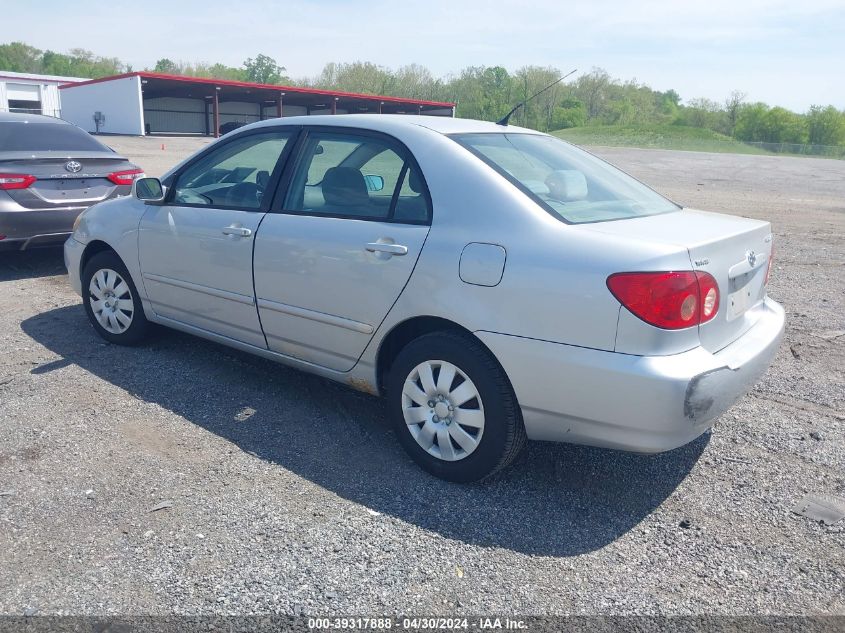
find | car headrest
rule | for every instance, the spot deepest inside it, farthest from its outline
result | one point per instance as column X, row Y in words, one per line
column 262, row 178
column 415, row 182
column 567, row 184
column 345, row 186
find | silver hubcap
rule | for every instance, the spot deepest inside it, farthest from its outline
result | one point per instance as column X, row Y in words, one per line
column 111, row 301
column 443, row 410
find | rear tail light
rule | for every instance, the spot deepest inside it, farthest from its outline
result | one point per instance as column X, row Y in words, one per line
column 126, row 177
column 668, row 300
column 16, row 181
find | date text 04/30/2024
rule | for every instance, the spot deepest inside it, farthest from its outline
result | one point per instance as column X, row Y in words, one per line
column 417, row 623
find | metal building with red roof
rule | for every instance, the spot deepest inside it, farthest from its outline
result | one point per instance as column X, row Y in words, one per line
column 140, row 103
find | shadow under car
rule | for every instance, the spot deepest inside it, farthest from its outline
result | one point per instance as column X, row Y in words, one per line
column 555, row 500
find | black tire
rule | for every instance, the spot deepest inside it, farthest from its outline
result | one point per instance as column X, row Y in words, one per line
column 503, row 435
column 138, row 327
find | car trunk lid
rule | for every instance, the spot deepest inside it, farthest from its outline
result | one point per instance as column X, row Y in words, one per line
column 63, row 181
column 735, row 251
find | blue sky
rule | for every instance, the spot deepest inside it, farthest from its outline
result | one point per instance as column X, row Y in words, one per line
column 784, row 52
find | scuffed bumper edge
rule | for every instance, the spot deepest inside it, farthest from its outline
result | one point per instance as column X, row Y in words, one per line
column 73, row 256
column 635, row 403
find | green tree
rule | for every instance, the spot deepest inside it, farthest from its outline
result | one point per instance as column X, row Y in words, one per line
column 733, row 104
column 592, row 89
column 825, row 126
column 363, row 77
column 264, row 70
column 758, row 122
column 167, row 66
column 704, row 113
column 667, row 103
column 570, row 113
column 783, row 126
column 751, row 122
column 539, row 112
column 20, row 58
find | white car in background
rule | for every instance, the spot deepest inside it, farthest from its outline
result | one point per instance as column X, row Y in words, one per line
column 493, row 283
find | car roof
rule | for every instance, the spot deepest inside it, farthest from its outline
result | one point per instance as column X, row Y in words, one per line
column 20, row 117
column 394, row 122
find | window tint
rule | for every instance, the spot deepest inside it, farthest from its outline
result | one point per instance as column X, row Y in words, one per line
column 570, row 183
column 47, row 137
column 344, row 175
column 234, row 175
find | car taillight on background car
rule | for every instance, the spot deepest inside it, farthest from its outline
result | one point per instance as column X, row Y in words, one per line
column 668, row 300
column 126, row 177
column 16, row 181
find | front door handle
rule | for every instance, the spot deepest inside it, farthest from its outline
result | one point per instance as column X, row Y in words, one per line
column 390, row 249
column 237, row 230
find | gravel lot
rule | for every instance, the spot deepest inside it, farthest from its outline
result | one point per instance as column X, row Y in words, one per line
column 289, row 494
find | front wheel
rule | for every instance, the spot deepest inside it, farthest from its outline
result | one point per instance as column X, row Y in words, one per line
column 111, row 300
column 453, row 408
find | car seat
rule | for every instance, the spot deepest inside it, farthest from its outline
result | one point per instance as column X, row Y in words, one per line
column 567, row 185
column 412, row 208
column 345, row 192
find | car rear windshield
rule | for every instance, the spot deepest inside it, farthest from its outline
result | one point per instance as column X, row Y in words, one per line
column 569, row 183
column 46, row 137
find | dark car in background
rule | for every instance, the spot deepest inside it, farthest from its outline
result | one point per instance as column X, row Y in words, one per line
column 50, row 172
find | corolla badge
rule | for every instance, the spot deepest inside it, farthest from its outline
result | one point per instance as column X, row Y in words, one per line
column 751, row 256
column 73, row 166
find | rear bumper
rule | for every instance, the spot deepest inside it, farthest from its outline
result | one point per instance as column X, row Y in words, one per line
column 637, row 403
column 34, row 227
column 21, row 244
column 25, row 227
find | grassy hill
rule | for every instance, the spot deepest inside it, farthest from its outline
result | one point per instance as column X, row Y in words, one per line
column 656, row 136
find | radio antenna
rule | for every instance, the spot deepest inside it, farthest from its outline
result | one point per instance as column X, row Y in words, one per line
column 504, row 120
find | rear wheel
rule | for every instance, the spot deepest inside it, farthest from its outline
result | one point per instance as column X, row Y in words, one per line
column 111, row 300
column 453, row 408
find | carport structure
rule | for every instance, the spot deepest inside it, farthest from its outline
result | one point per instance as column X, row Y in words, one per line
column 154, row 103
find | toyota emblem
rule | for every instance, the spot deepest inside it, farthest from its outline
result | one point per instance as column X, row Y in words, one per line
column 73, row 166
column 751, row 256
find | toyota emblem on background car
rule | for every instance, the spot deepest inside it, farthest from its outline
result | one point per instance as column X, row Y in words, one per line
column 73, row 166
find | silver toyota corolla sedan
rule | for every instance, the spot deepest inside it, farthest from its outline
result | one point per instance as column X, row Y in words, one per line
column 50, row 171
column 493, row 283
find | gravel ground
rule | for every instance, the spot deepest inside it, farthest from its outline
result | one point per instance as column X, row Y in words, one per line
column 286, row 493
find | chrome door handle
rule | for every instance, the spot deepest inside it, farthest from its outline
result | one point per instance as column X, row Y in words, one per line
column 390, row 249
column 237, row 230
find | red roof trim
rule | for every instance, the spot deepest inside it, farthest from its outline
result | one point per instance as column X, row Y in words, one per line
column 245, row 84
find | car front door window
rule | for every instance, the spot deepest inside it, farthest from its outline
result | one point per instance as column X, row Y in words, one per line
column 234, row 176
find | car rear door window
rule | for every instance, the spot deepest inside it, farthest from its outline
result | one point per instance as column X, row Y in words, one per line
column 235, row 175
column 350, row 176
column 20, row 136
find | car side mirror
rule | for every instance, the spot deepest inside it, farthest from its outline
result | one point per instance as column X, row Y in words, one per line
column 149, row 190
column 374, row 183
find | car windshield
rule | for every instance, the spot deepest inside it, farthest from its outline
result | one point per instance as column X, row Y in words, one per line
column 46, row 137
column 568, row 182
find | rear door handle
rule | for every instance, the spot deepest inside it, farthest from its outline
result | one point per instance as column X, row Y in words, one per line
column 237, row 230
column 390, row 249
